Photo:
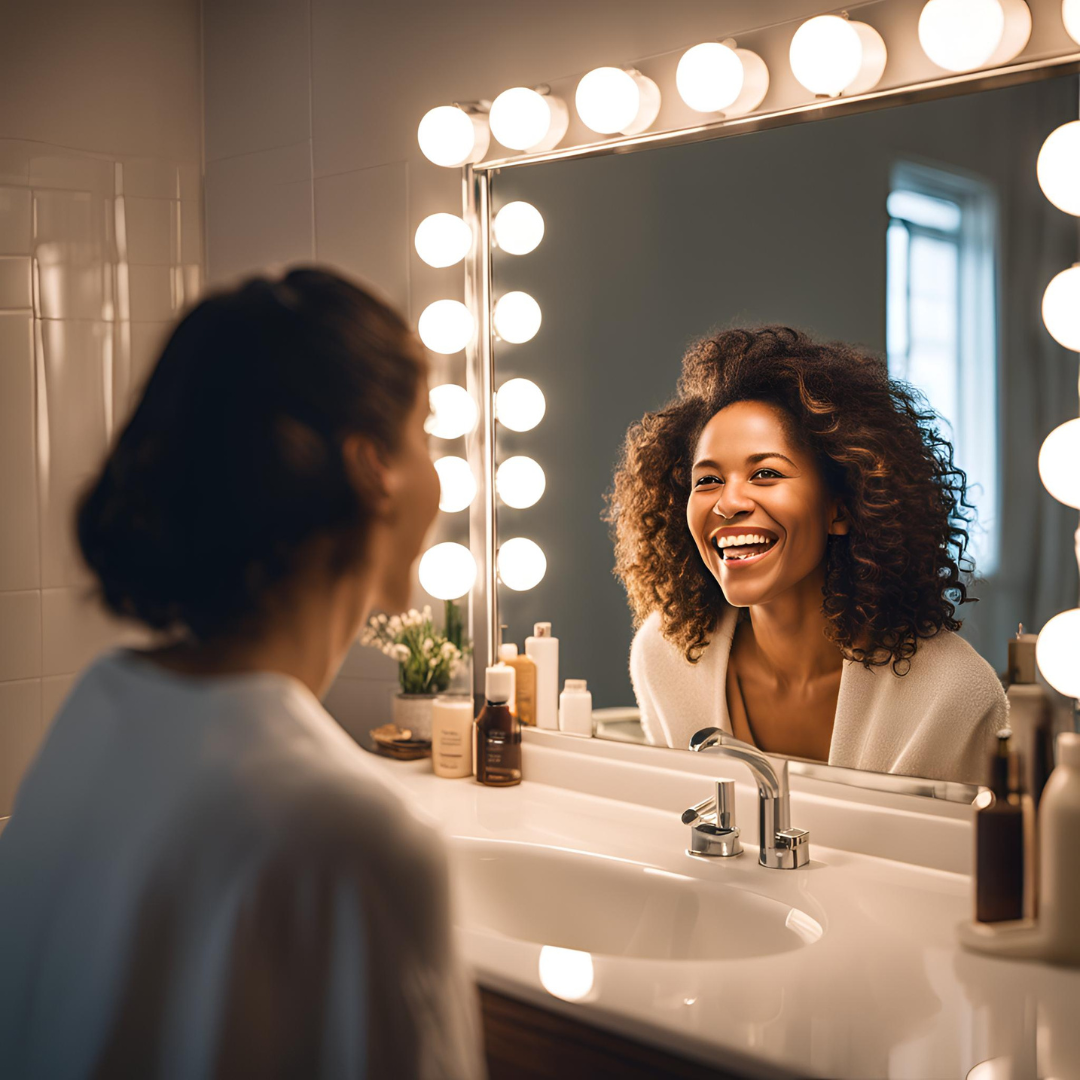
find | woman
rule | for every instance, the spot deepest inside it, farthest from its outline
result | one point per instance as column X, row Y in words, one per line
column 790, row 531
column 203, row 875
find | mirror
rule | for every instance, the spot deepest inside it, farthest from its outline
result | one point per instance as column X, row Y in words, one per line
column 916, row 232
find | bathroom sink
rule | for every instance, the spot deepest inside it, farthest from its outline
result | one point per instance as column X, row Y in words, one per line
column 609, row 906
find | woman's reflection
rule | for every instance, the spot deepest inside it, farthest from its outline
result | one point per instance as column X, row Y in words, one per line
column 791, row 532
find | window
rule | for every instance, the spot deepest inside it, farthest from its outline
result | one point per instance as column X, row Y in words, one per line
column 941, row 323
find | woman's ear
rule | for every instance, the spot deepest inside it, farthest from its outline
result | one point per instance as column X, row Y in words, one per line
column 840, row 523
column 367, row 469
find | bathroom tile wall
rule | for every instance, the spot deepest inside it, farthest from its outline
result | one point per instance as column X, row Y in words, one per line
column 101, row 244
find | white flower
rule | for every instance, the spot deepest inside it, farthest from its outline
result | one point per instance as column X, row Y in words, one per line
column 428, row 645
column 395, row 624
column 400, row 653
column 383, row 619
column 433, row 662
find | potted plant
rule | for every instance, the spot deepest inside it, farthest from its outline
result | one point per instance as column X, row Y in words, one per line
column 427, row 658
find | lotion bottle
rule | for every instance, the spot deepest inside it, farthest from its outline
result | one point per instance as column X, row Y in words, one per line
column 999, row 845
column 498, row 734
column 452, row 735
column 543, row 649
column 1030, row 715
column 523, row 704
column 575, row 708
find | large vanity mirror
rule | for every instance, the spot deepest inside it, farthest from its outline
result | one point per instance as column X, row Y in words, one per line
column 916, row 233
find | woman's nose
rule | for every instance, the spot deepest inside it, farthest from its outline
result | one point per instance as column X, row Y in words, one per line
column 733, row 500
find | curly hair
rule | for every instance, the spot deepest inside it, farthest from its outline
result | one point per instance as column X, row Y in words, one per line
column 895, row 578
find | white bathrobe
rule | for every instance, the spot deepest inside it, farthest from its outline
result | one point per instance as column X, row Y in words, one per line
column 207, row 878
column 937, row 721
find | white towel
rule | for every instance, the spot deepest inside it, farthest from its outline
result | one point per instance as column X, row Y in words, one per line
column 938, row 721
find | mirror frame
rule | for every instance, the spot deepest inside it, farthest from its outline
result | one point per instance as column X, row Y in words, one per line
column 477, row 184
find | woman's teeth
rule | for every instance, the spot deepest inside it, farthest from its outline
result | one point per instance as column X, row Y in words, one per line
column 755, row 543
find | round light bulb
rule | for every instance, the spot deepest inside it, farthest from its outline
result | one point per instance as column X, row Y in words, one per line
column 442, row 239
column 451, row 137
column 519, row 405
column 453, row 412
column 611, row 99
column 830, row 55
column 520, row 482
column 1057, row 653
column 709, row 77
column 517, row 317
column 1070, row 16
column 521, row 563
column 522, row 119
column 519, row 228
column 1058, row 167
column 447, row 571
column 960, row 35
column 446, row 326
column 457, row 485
column 1061, row 308
column 1059, row 463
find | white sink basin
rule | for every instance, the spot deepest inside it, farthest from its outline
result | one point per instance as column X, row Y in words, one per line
column 609, row 906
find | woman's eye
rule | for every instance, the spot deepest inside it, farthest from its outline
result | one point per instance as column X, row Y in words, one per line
column 767, row 474
column 702, row 480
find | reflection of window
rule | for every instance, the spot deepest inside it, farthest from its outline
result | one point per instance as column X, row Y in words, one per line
column 941, row 322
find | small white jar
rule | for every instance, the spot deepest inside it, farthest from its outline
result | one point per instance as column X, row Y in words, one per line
column 575, row 708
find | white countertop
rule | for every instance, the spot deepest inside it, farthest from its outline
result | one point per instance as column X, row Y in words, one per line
column 884, row 992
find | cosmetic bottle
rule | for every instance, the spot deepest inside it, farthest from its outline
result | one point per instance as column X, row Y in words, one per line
column 1030, row 715
column 452, row 735
column 498, row 734
column 575, row 708
column 999, row 843
column 512, row 700
column 523, row 703
column 543, row 650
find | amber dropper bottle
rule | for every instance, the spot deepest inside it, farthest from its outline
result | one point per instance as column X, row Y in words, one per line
column 498, row 733
column 999, row 843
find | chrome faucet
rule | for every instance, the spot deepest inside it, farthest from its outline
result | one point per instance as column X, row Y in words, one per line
column 781, row 846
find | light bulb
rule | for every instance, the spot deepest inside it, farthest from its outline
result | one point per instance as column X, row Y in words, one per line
column 960, row 35
column 446, row 326
column 522, row 119
column 520, row 482
column 715, row 77
column 442, row 239
column 519, row 405
column 1061, row 308
column 451, row 137
column 830, row 55
column 457, row 485
column 519, row 228
column 1058, row 167
column 1070, row 16
column 517, row 317
column 1057, row 653
column 611, row 99
column 447, row 571
column 522, row 565
column 453, row 412
column 1059, row 463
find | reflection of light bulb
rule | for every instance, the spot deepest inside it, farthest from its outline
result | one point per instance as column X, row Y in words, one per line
column 521, row 563
column 519, row 405
column 1058, row 167
column 959, row 35
column 1070, row 16
column 1057, row 653
column 457, row 485
column 611, row 99
column 713, row 77
column 517, row 317
column 451, row 137
column 520, row 482
column 1061, row 308
column 1059, row 464
column 442, row 239
column 447, row 571
column 829, row 55
column 453, row 412
column 522, row 119
column 519, row 228
column 446, row 326
column 565, row 973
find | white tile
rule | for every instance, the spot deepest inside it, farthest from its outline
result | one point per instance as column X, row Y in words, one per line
column 258, row 212
column 153, row 293
column 153, row 230
column 54, row 689
column 256, row 75
column 61, row 561
column 361, row 227
column 191, row 231
column 76, row 628
column 21, row 731
column 15, row 282
column 359, row 705
column 20, row 635
column 72, row 171
column 15, row 161
column 190, row 181
column 14, row 221
column 150, row 178
column 71, row 245
column 147, row 341
column 19, row 547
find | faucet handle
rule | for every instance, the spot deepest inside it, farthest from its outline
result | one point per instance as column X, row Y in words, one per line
column 795, row 841
column 712, row 824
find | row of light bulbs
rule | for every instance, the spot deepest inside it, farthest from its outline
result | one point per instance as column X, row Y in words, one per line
column 829, row 55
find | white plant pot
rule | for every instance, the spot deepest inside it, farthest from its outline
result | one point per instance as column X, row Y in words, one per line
column 413, row 711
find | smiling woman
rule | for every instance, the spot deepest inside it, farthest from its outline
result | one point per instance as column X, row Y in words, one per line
column 791, row 532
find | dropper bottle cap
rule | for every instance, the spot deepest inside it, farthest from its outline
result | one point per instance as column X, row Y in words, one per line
column 498, row 683
column 542, row 629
